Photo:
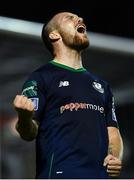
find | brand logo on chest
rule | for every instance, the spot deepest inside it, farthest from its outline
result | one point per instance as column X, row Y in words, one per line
column 63, row 83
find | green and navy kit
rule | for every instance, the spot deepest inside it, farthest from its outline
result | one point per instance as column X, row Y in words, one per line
column 74, row 109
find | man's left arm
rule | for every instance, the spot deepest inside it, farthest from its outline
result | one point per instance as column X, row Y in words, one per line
column 113, row 160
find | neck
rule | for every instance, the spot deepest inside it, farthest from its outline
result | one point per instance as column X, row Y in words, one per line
column 69, row 57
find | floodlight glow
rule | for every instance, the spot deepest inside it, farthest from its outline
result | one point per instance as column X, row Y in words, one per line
column 97, row 41
column 20, row 26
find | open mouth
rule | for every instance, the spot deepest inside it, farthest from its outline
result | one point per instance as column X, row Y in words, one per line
column 81, row 28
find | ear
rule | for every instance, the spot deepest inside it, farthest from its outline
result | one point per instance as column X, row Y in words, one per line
column 54, row 36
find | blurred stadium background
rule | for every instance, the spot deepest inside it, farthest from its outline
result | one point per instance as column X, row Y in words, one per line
column 110, row 56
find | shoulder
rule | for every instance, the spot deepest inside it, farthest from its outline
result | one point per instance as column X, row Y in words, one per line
column 97, row 78
column 42, row 71
column 43, row 75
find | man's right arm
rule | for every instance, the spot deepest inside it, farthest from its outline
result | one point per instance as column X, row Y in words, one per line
column 26, row 126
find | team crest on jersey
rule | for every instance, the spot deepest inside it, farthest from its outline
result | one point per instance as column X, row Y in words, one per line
column 98, row 87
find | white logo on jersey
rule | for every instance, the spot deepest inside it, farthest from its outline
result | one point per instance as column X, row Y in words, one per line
column 113, row 111
column 59, row 172
column 63, row 83
column 35, row 102
column 77, row 106
column 97, row 86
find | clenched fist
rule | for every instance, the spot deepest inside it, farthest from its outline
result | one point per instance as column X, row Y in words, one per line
column 26, row 127
column 113, row 164
column 24, row 106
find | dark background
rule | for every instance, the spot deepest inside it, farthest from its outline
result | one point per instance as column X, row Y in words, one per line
column 110, row 17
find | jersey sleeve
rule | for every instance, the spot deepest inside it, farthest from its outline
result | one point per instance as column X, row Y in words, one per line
column 34, row 89
column 110, row 109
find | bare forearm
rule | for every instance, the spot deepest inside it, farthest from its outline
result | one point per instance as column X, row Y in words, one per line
column 115, row 144
column 27, row 129
column 116, row 149
column 113, row 160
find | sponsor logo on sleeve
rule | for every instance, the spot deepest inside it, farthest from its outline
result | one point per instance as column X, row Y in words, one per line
column 35, row 102
column 113, row 111
column 30, row 89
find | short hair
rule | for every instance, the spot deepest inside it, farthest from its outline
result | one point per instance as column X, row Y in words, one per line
column 45, row 37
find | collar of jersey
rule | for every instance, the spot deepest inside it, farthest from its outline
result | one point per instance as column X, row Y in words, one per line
column 67, row 67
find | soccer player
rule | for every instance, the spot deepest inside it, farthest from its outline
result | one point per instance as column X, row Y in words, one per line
column 69, row 110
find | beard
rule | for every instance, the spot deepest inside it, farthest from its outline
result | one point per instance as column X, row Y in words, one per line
column 78, row 42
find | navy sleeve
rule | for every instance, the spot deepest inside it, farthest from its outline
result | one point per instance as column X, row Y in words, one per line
column 34, row 89
column 110, row 109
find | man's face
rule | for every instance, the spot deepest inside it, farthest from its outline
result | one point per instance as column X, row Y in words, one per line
column 72, row 30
